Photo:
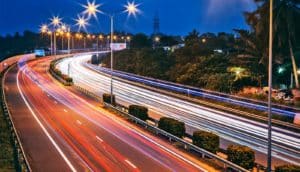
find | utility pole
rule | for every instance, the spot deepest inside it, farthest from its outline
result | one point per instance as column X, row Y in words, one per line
column 269, row 167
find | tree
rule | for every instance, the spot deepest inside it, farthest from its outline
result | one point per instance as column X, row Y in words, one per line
column 140, row 40
column 172, row 126
column 192, row 38
column 168, row 41
column 206, row 140
column 241, row 155
column 286, row 13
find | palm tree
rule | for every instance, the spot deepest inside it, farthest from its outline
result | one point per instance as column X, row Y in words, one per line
column 256, row 41
column 286, row 14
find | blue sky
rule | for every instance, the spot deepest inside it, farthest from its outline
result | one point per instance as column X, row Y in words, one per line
column 177, row 17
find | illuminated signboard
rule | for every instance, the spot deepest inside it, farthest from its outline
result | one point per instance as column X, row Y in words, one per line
column 118, row 46
column 39, row 52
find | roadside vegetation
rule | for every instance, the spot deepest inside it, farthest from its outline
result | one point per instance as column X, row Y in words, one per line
column 240, row 155
column 224, row 62
column 64, row 79
column 7, row 151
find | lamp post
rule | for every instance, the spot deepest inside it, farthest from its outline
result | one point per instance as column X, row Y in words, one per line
column 51, row 41
column 269, row 166
column 45, row 30
column 55, row 21
column 91, row 10
column 82, row 23
column 69, row 41
column 128, row 39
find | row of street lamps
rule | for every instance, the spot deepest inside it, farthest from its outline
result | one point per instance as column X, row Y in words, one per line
column 92, row 9
column 57, row 28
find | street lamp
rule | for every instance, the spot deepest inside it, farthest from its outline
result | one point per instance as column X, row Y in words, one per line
column 51, row 40
column 45, row 30
column 128, row 39
column 131, row 9
column 82, row 23
column 91, row 9
column 55, row 21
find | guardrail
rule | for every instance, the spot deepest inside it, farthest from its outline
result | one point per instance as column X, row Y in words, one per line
column 187, row 145
column 23, row 163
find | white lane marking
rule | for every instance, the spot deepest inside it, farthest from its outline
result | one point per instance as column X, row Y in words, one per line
column 43, row 127
column 98, row 138
column 140, row 134
column 65, row 110
column 130, row 163
column 78, row 122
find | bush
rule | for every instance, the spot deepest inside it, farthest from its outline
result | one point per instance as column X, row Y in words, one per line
column 206, row 140
column 140, row 112
column 172, row 126
column 287, row 168
column 241, row 155
column 107, row 99
column 70, row 80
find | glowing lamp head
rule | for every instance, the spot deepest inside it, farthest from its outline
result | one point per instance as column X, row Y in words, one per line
column 55, row 21
column 44, row 28
column 131, row 8
column 68, row 34
column 81, row 22
column 91, row 9
column 64, row 27
column 157, row 39
column 100, row 36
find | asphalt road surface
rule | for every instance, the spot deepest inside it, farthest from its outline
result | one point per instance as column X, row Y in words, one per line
column 286, row 144
column 61, row 131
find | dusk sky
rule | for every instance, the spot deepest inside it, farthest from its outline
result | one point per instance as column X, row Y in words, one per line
column 177, row 17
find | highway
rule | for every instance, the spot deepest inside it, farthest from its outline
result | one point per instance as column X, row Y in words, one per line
column 69, row 132
column 192, row 91
column 286, row 144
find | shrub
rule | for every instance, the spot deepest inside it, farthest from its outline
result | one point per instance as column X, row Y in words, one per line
column 206, row 140
column 241, row 155
column 107, row 99
column 140, row 112
column 70, row 80
column 172, row 126
column 287, row 168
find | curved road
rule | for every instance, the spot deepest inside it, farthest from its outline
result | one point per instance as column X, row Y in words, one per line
column 63, row 131
column 286, row 144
